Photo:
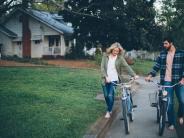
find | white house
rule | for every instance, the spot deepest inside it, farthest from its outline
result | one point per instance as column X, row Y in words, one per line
column 35, row 34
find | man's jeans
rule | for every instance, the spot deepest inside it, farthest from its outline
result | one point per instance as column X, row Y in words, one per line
column 170, row 111
column 108, row 90
column 180, row 96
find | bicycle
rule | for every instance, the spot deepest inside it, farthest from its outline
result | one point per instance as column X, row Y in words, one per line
column 127, row 104
column 161, row 102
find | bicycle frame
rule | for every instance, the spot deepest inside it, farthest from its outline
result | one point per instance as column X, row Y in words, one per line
column 162, row 106
column 126, row 96
column 127, row 106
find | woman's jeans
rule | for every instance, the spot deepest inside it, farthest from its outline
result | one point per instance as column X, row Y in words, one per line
column 180, row 95
column 109, row 90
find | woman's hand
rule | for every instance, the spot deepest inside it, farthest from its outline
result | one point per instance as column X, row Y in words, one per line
column 136, row 77
column 107, row 80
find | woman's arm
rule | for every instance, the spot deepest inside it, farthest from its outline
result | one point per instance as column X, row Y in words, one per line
column 103, row 66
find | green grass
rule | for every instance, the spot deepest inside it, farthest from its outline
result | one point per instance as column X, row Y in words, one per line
column 142, row 67
column 48, row 102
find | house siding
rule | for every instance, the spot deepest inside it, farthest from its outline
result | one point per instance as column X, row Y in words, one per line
column 38, row 28
column 7, row 48
column 15, row 25
column 36, row 50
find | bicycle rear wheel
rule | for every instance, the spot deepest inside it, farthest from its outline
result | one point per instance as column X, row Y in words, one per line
column 125, row 117
column 158, row 115
column 162, row 119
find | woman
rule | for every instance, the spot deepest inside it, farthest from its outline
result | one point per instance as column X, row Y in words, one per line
column 112, row 66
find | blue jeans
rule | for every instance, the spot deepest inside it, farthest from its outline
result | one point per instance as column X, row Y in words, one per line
column 180, row 97
column 170, row 111
column 108, row 90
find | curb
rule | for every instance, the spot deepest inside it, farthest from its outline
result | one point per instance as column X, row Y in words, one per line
column 101, row 126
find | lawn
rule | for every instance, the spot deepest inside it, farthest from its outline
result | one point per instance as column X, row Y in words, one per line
column 48, row 102
column 142, row 67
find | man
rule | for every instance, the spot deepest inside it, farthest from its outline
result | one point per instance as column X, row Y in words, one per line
column 171, row 66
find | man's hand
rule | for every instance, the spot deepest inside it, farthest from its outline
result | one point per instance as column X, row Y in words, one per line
column 182, row 81
column 148, row 78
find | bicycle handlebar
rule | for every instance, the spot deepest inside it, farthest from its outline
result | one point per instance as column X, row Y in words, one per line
column 124, row 84
column 164, row 86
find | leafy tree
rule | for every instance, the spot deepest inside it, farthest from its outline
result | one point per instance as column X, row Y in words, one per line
column 178, row 23
column 129, row 22
column 172, row 20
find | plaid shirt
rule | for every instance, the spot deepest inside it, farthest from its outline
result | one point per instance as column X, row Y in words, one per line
column 177, row 67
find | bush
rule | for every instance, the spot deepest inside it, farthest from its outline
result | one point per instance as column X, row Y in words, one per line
column 76, row 52
column 98, row 57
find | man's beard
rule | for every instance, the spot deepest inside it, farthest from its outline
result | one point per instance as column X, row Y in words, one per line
column 168, row 48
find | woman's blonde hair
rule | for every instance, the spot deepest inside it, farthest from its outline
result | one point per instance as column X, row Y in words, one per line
column 113, row 46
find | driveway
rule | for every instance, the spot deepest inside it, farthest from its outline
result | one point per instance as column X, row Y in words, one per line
column 144, row 124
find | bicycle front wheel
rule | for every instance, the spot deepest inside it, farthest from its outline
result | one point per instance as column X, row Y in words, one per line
column 125, row 117
column 162, row 119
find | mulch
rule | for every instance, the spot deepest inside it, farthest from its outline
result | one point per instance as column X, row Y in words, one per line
column 56, row 62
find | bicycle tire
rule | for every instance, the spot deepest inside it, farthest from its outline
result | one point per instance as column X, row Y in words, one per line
column 131, row 116
column 158, row 115
column 125, row 117
column 162, row 120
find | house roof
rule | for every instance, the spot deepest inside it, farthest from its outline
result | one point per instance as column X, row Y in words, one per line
column 54, row 21
column 50, row 20
column 7, row 32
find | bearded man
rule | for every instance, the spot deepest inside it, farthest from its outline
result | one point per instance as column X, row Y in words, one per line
column 170, row 63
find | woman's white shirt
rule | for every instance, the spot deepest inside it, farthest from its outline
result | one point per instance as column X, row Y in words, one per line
column 111, row 69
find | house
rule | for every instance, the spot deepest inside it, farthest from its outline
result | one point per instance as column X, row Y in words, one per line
column 34, row 34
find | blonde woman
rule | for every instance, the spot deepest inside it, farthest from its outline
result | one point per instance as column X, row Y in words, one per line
column 112, row 66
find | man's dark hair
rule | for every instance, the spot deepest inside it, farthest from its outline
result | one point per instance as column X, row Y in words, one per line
column 169, row 39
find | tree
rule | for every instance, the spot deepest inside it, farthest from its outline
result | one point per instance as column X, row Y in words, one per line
column 178, row 23
column 172, row 20
column 113, row 20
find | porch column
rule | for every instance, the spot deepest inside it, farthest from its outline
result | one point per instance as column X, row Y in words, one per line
column 63, row 47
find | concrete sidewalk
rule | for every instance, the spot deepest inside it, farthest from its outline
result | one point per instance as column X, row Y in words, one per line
column 144, row 124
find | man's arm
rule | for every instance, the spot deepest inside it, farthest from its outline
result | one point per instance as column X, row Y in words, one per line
column 154, row 70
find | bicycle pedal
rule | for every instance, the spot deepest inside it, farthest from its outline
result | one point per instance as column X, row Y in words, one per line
column 154, row 105
column 134, row 106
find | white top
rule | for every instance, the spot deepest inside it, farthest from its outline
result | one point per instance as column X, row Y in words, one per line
column 111, row 69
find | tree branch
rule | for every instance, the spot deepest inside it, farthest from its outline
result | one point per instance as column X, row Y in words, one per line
column 75, row 12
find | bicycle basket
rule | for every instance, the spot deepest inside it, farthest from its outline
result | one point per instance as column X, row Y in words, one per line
column 153, row 99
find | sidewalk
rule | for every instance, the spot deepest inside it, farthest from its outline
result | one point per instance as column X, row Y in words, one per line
column 144, row 124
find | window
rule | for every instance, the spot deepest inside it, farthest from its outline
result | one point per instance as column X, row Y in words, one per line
column 67, row 42
column 37, row 41
column 57, row 41
column 19, row 43
column 51, row 41
column 1, row 45
column 54, row 40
